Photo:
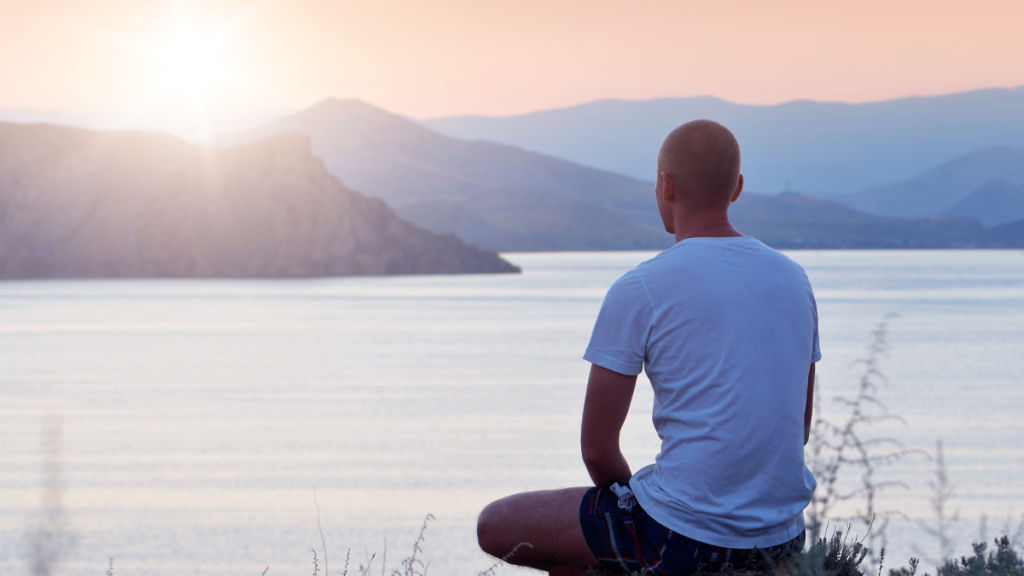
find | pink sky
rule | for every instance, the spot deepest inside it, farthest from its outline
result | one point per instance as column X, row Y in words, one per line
column 437, row 58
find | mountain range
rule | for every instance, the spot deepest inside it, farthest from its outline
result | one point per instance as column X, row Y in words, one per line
column 962, row 186
column 818, row 148
column 78, row 203
column 347, row 188
column 504, row 198
column 494, row 196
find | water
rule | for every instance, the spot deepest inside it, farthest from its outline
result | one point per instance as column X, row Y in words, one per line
column 187, row 422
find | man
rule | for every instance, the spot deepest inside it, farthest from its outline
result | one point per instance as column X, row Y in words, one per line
column 726, row 329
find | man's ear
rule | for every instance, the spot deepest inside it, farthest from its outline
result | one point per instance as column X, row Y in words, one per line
column 739, row 189
column 668, row 188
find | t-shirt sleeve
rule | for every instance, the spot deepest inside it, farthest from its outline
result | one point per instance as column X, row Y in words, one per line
column 623, row 327
column 815, row 348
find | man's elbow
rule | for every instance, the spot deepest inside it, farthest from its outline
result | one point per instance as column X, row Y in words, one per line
column 596, row 454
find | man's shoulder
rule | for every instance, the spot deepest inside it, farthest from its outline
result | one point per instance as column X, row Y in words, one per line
column 629, row 285
column 724, row 259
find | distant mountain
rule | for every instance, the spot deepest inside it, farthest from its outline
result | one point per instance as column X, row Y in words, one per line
column 798, row 221
column 997, row 202
column 76, row 203
column 814, row 147
column 1006, row 236
column 937, row 190
column 494, row 196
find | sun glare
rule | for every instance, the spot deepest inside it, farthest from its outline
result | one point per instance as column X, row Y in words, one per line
column 192, row 61
column 193, row 66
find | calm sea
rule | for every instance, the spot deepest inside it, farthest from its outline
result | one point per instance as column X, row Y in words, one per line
column 181, row 426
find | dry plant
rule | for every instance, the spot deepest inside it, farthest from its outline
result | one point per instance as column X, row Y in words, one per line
column 836, row 450
column 942, row 493
column 322, row 539
column 49, row 538
column 413, row 565
column 504, row 559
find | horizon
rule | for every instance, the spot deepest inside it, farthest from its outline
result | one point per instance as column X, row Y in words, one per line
column 594, row 100
column 240, row 120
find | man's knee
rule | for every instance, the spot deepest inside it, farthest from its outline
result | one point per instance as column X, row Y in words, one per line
column 489, row 529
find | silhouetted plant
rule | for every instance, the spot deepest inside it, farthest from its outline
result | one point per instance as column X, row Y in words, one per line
column 837, row 449
column 835, row 556
column 1003, row 561
column 942, row 493
column 412, row 565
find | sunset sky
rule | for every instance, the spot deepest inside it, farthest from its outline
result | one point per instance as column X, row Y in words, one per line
column 448, row 57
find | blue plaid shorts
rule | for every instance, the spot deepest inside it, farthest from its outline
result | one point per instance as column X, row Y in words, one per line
column 624, row 538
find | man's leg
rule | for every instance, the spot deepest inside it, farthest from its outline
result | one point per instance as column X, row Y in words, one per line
column 548, row 521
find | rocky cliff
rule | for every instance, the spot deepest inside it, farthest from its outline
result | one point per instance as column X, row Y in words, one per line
column 76, row 203
column 494, row 196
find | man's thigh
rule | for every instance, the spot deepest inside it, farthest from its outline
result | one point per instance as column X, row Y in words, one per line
column 549, row 521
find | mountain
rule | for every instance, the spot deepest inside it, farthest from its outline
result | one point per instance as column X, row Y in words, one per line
column 816, row 147
column 494, row 196
column 77, row 203
column 1006, row 235
column 937, row 190
column 799, row 221
column 997, row 202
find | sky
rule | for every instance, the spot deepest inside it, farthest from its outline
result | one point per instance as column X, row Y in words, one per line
column 434, row 58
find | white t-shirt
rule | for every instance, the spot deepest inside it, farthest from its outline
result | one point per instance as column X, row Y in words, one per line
column 726, row 329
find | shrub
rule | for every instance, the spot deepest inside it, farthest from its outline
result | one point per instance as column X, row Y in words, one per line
column 1003, row 561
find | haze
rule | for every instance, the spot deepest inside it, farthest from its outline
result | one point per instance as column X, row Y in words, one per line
column 449, row 57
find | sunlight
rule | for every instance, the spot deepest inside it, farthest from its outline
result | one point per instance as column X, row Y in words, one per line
column 192, row 61
column 196, row 69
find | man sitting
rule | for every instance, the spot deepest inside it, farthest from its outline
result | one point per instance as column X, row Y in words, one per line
column 726, row 329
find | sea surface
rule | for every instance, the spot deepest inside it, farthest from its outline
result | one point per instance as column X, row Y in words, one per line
column 195, row 427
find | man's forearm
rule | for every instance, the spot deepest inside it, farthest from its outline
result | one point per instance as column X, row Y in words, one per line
column 606, row 465
column 604, row 410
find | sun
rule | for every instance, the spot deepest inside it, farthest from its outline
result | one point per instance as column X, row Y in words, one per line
column 192, row 61
column 194, row 68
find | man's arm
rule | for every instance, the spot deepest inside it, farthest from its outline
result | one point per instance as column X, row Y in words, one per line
column 604, row 411
column 809, row 408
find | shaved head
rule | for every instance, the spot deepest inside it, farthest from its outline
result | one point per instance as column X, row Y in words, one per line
column 703, row 159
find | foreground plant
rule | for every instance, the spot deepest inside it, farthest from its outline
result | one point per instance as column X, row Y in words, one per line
column 1003, row 561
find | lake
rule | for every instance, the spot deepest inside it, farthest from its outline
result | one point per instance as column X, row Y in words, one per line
column 181, row 426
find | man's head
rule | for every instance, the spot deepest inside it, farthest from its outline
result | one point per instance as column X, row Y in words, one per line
column 698, row 169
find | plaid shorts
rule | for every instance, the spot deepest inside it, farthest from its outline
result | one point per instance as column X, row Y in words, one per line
column 624, row 538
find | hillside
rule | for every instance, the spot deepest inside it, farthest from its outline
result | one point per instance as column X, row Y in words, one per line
column 1009, row 235
column 994, row 203
column 798, row 221
column 494, row 196
column 939, row 189
column 813, row 147
column 76, row 203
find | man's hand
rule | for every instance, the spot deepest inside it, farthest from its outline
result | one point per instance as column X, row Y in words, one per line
column 604, row 411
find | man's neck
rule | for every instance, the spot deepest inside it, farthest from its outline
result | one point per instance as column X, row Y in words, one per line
column 704, row 225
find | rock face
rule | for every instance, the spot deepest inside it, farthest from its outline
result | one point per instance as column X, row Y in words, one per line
column 76, row 203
